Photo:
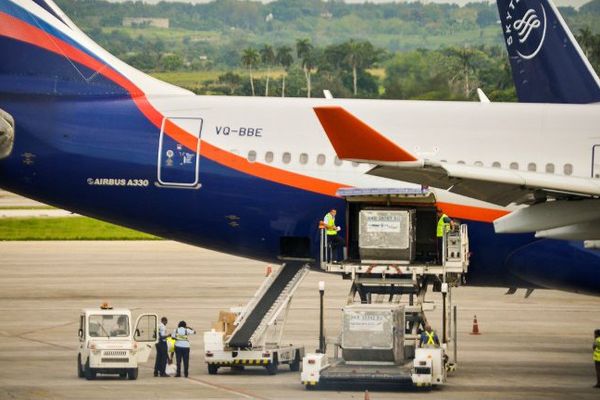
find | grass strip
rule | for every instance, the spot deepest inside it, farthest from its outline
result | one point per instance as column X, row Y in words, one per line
column 67, row 228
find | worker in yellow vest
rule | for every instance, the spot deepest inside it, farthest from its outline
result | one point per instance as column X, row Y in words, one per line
column 334, row 241
column 429, row 338
column 444, row 225
column 597, row 356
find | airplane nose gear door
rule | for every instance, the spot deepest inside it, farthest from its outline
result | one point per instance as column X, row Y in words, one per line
column 179, row 159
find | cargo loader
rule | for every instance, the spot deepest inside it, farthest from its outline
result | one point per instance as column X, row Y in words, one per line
column 392, row 260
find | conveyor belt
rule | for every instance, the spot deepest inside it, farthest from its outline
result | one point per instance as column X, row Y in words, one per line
column 243, row 333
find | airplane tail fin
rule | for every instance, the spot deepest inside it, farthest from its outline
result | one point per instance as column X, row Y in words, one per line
column 43, row 52
column 548, row 66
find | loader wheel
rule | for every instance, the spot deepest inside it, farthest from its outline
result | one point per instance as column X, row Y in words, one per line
column 89, row 373
column 132, row 374
column 79, row 370
column 295, row 365
column 272, row 366
column 212, row 369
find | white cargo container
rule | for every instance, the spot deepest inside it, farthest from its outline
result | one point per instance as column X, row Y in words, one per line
column 387, row 235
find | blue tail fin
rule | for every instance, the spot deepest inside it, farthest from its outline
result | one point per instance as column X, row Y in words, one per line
column 548, row 65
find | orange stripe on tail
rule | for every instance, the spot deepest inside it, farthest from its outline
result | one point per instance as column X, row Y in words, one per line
column 353, row 139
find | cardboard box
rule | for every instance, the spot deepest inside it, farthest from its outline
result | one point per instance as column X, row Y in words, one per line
column 227, row 316
column 219, row 326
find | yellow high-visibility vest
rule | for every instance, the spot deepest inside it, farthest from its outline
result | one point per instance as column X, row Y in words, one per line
column 597, row 349
column 330, row 221
column 430, row 337
column 442, row 226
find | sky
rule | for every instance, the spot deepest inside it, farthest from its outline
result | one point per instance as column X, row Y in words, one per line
column 574, row 3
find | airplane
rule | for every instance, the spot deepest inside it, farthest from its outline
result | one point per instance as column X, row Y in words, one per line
column 85, row 132
column 547, row 64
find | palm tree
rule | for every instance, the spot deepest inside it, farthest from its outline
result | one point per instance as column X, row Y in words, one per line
column 285, row 59
column 267, row 56
column 250, row 60
column 586, row 39
column 305, row 52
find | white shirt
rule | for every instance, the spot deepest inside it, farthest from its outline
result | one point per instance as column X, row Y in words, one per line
column 182, row 332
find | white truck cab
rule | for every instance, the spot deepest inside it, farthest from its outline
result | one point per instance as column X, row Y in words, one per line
column 109, row 345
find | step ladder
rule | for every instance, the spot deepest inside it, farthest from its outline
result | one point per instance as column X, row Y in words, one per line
column 263, row 311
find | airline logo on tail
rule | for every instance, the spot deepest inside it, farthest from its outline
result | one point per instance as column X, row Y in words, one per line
column 525, row 28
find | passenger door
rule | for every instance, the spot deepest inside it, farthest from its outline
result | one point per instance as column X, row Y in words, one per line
column 178, row 164
column 145, row 335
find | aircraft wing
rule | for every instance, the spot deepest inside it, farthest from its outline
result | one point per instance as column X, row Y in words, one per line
column 354, row 140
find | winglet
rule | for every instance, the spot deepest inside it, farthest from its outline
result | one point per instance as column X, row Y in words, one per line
column 353, row 139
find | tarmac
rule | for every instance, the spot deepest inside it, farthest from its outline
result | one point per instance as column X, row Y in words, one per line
column 535, row 348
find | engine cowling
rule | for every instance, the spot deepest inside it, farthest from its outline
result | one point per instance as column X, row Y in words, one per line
column 7, row 134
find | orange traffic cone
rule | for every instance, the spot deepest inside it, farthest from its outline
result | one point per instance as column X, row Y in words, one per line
column 268, row 270
column 367, row 396
column 475, row 326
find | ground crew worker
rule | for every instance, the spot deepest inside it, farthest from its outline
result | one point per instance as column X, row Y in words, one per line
column 334, row 241
column 597, row 356
column 182, row 347
column 160, row 364
column 443, row 226
column 429, row 338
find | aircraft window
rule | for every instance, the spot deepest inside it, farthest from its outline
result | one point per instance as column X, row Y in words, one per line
column 252, row 156
column 461, row 162
column 303, row 158
column 269, row 156
column 321, row 159
column 550, row 168
column 479, row 163
column 337, row 161
column 514, row 165
column 287, row 157
column 354, row 164
column 496, row 164
column 531, row 167
column 568, row 169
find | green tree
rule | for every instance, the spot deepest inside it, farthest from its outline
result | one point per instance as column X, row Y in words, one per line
column 285, row 59
column 359, row 55
column 306, row 53
column 267, row 57
column 250, row 59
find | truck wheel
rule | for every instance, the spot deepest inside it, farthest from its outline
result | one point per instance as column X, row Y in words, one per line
column 272, row 366
column 295, row 365
column 212, row 369
column 79, row 370
column 132, row 374
column 89, row 372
